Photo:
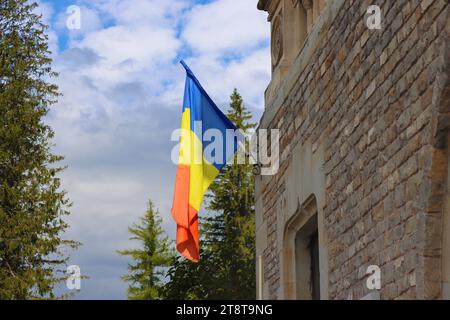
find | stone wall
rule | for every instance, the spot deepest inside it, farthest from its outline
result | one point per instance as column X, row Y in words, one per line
column 374, row 105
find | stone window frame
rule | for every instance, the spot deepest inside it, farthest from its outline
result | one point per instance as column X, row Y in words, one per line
column 445, row 261
column 434, row 226
column 305, row 221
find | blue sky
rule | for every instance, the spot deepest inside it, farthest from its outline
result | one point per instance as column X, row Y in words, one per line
column 122, row 90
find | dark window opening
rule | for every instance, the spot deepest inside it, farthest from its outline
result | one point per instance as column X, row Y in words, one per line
column 315, row 271
column 307, row 265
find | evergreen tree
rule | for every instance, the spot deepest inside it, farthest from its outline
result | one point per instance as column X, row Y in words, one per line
column 193, row 281
column 32, row 206
column 232, row 230
column 227, row 261
column 147, row 269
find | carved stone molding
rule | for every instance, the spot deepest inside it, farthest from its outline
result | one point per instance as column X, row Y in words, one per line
column 277, row 41
column 307, row 4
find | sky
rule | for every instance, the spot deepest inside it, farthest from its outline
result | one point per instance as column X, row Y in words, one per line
column 122, row 88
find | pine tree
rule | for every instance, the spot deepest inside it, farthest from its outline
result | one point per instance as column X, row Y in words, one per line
column 232, row 229
column 227, row 260
column 32, row 205
column 149, row 260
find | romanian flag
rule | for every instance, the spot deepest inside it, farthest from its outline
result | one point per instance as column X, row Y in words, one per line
column 196, row 169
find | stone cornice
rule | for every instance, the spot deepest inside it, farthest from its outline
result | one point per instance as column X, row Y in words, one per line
column 262, row 4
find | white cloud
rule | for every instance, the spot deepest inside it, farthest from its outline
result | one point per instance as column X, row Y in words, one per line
column 225, row 27
column 138, row 44
column 143, row 12
column 90, row 21
column 119, row 44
